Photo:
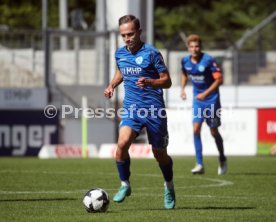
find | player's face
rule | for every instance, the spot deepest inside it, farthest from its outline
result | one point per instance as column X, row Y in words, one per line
column 130, row 35
column 194, row 49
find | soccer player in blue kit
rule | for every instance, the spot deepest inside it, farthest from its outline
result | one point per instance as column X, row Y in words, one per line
column 141, row 67
column 206, row 78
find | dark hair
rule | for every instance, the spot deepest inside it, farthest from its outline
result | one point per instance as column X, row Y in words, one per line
column 130, row 18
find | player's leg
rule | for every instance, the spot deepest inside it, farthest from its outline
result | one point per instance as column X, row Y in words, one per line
column 166, row 165
column 198, row 118
column 222, row 169
column 213, row 121
column 199, row 167
column 219, row 143
column 126, row 136
column 158, row 137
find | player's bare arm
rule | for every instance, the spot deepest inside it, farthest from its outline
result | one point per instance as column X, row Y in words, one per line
column 184, row 80
column 163, row 82
column 215, row 85
column 108, row 92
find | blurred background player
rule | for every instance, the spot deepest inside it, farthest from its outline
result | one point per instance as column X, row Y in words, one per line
column 141, row 67
column 206, row 79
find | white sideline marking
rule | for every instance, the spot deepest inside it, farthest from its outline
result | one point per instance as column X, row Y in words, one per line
column 215, row 183
column 42, row 192
column 218, row 182
column 133, row 194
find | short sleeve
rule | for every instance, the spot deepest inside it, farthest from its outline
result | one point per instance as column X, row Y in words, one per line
column 159, row 63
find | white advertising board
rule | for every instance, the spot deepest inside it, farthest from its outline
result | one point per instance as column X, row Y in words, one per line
column 66, row 151
column 135, row 151
column 238, row 129
column 231, row 96
column 23, row 98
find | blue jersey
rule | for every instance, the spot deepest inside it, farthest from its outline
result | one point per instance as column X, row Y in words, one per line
column 201, row 75
column 146, row 62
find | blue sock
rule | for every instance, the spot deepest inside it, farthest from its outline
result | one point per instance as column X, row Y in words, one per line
column 123, row 169
column 198, row 148
column 167, row 171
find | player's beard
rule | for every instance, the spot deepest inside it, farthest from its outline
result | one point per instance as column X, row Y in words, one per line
column 133, row 44
column 196, row 55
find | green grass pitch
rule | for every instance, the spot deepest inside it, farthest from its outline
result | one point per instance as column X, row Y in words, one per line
column 52, row 190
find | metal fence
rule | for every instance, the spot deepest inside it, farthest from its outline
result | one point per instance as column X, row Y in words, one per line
column 81, row 63
column 85, row 58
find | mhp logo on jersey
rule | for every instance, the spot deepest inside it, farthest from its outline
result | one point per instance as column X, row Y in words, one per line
column 131, row 70
column 23, row 133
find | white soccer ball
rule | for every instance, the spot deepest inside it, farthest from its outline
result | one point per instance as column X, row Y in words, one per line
column 96, row 200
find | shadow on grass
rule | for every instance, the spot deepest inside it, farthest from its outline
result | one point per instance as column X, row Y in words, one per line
column 40, row 199
column 253, row 174
column 192, row 208
column 215, row 208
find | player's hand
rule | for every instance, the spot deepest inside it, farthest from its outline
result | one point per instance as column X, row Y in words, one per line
column 108, row 92
column 201, row 96
column 183, row 95
column 142, row 82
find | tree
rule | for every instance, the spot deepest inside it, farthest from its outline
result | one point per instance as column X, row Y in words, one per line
column 216, row 21
column 28, row 13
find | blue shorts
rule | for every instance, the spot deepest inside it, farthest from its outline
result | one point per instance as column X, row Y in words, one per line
column 156, row 126
column 210, row 112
